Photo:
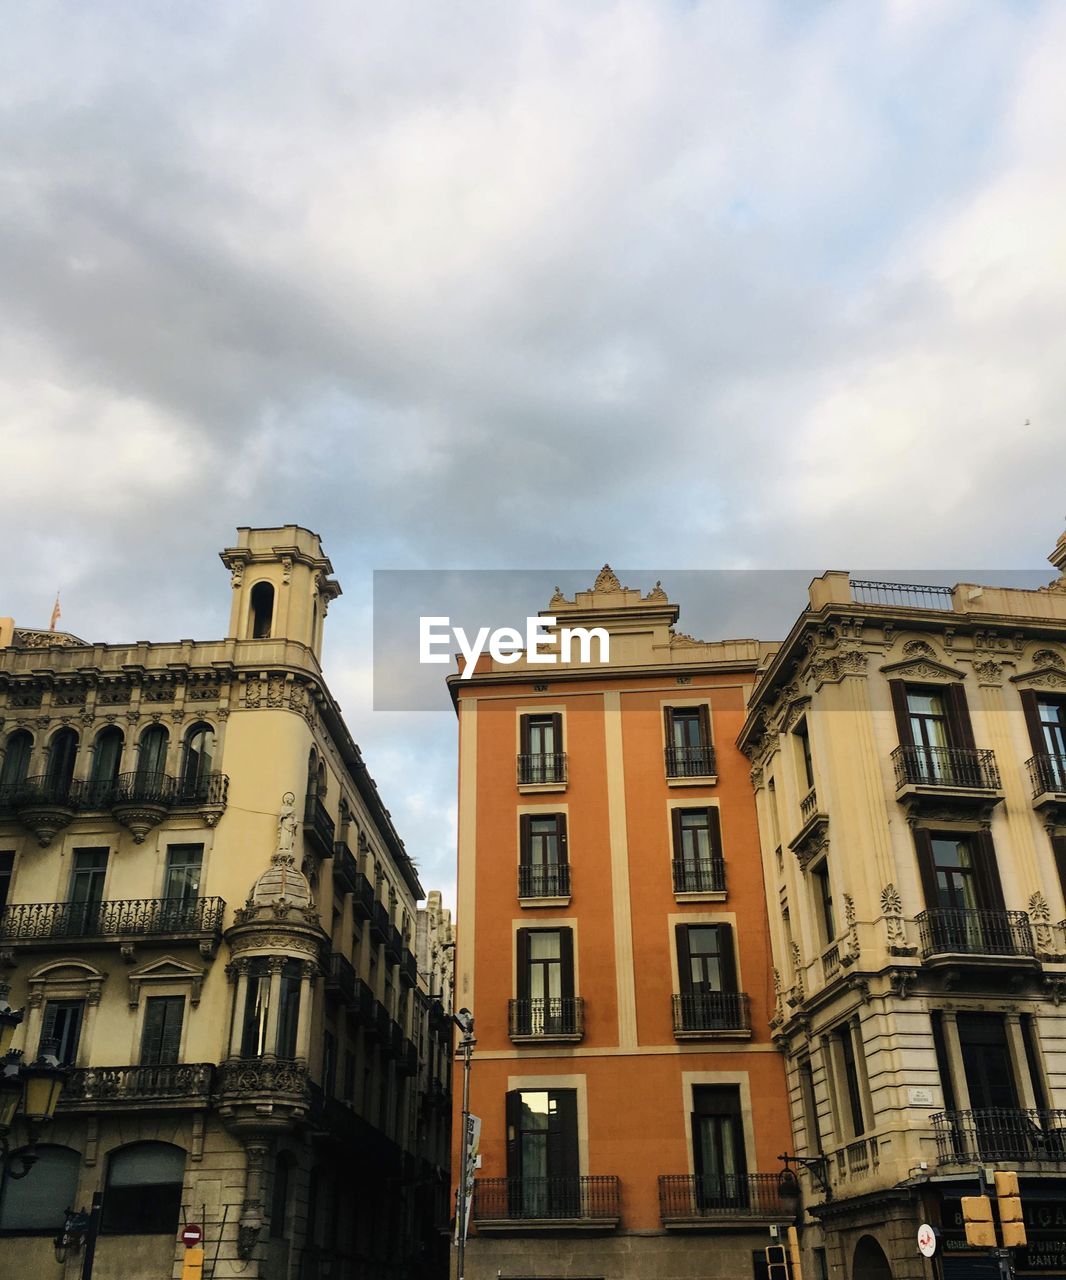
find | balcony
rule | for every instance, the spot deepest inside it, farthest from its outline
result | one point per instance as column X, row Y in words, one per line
column 1048, row 776
column 256, row 1091
column 379, row 922
column 699, row 876
column 561, row 1019
column 811, row 838
column 341, row 979
column 364, row 1002
column 393, row 945
column 319, row 827
column 690, row 762
column 45, row 925
column 965, row 777
column 542, row 770
column 407, row 1059
column 345, row 869
column 547, row 881
column 711, row 1014
column 997, row 934
column 362, row 897
column 688, row 1201
column 177, row 1085
column 409, row 969
column 1001, row 1133
column 516, row 1204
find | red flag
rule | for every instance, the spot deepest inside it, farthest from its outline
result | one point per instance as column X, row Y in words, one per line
column 55, row 614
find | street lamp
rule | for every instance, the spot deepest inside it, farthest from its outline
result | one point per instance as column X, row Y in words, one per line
column 33, row 1086
column 464, row 1020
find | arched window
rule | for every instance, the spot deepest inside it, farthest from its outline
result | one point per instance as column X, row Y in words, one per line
column 107, row 755
column 312, row 773
column 39, row 1202
column 199, row 757
column 143, row 1191
column 16, row 757
column 261, row 598
column 62, row 752
column 152, row 752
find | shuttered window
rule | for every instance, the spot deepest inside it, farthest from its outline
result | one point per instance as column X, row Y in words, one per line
column 62, row 1027
column 161, row 1037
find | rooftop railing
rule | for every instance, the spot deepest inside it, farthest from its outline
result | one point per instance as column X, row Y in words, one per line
column 902, row 595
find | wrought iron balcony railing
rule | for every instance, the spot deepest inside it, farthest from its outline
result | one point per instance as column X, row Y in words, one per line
column 541, row 768
column 123, row 918
column 57, row 793
column 1000, row 1133
column 99, row 794
column 950, row 768
column 690, row 762
column 974, row 933
column 379, row 922
column 340, row 978
column 394, row 945
column 409, row 968
column 711, row 1011
column 1047, row 773
column 590, row 1199
column 550, row 881
column 362, row 897
column 319, row 827
column 688, row 1198
column 185, row 1083
column 207, row 789
column 142, row 788
column 903, row 595
column 700, row 875
column 345, row 868
column 251, row 1077
column 560, row 1018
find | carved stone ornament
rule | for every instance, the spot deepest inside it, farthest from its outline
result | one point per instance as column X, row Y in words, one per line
column 919, row 669
column 852, row 926
column 657, row 593
column 1040, row 918
column 558, row 598
column 798, row 993
column 832, row 670
column 919, row 648
column 989, row 672
column 902, row 980
column 1048, row 658
column 167, row 971
column 606, row 580
column 892, row 910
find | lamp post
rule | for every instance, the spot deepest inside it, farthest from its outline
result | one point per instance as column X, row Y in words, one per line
column 32, row 1086
column 464, row 1020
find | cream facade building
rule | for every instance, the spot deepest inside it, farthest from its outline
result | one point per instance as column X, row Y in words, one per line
column 208, row 910
column 909, row 763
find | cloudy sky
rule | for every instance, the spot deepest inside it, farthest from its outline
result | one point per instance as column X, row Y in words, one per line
column 531, row 284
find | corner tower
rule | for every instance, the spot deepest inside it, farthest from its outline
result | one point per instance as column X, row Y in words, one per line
column 281, row 585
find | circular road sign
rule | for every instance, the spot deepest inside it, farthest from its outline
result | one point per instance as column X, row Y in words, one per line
column 928, row 1239
column 191, row 1235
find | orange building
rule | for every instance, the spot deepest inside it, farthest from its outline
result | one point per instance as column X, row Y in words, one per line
column 614, row 950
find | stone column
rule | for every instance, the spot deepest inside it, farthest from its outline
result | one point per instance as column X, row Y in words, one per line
column 955, row 1063
column 303, row 1021
column 1020, row 1062
column 274, row 1005
column 237, row 1029
column 251, row 1222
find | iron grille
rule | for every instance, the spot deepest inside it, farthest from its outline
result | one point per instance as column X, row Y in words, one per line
column 690, row 762
column 963, row 767
column 543, row 767
column 589, row 1199
column 561, row 1016
column 547, row 881
column 699, row 875
column 753, row 1195
column 712, row 1011
column 1000, row 1133
column 975, row 932
column 129, row 918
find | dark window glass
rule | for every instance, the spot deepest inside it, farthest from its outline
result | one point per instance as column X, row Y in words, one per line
column 87, row 876
column 161, row 1036
column 708, row 968
column 262, row 606
column 143, row 1191
column 329, row 1062
column 62, row 753
column 953, row 866
column 39, row 1202
column 542, row 1153
column 987, row 1062
column 928, row 718
column 695, row 837
column 718, row 1145
column 289, row 1012
column 279, row 1198
column 62, row 1026
column 107, row 755
column 824, row 894
column 199, row 756
column 17, row 757
column 1052, row 714
column 851, row 1079
column 7, row 864
column 152, row 752
column 253, row 1035
column 804, row 738
column 810, row 1106
column 182, row 878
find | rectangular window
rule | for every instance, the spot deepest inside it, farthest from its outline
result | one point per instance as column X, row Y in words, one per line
column 718, row 1147
column 542, row 1154
column 823, row 892
column 688, row 742
column 809, row 1104
column 960, row 881
column 349, row 1076
column 88, row 873
column 706, row 967
column 161, row 1036
column 934, row 729
column 698, row 865
column 257, row 998
column 289, row 1010
column 7, row 865
column 62, row 1028
column 544, row 870
column 806, row 763
column 1045, row 717
column 546, row 1004
column 181, row 880
column 541, row 758
column 329, row 1063
column 851, row 1080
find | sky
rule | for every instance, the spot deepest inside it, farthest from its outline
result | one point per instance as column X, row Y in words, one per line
column 534, row 286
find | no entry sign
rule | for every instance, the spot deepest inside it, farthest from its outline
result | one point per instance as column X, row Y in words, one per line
column 191, row 1235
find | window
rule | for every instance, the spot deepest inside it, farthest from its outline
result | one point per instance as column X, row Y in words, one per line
column 810, row 1107
column 279, row 1197
column 152, row 756
column 1058, row 847
column 718, row 1147
column 61, row 1028
column 62, row 753
column 803, row 739
column 289, row 1011
column 142, row 1195
column 851, row 1080
column 7, row 864
column 698, row 866
column 197, row 761
column 775, row 816
column 329, row 1063
column 1045, row 716
column 87, row 876
column 542, row 1154
column 107, row 760
column 261, row 599
column 542, row 759
column 161, row 1035
column 181, row 883
column 823, row 892
column 544, row 870
column 545, row 1004
column 706, row 968
column 688, row 742
column 934, row 729
column 39, row 1203
column 960, row 881
column 16, row 757
column 253, row 1035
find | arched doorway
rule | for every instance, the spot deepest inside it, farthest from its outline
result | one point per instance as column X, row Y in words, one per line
column 870, row 1262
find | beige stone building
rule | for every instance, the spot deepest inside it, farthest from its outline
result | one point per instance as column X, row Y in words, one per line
column 206, row 907
column 908, row 749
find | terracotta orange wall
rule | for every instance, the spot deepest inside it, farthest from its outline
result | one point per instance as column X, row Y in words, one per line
column 638, row 1116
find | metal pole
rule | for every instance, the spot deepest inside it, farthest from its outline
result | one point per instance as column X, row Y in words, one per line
column 90, row 1236
column 464, row 1157
column 1003, row 1256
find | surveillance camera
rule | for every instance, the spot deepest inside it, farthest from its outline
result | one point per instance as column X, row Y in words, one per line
column 464, row 1020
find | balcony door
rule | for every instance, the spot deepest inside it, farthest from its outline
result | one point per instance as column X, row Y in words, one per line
column 698, row 850
column 542, row 1154
column 546, row 981
column 87, row 878
column 61, row 1029
column 707, row 972
column 688, row 740
column 1046, row 719
column 544, row 872
column 962, row 891
column 718, row 1147
column 181, row 884
column 161, row 1034
column 934, row 724
column 542, row 749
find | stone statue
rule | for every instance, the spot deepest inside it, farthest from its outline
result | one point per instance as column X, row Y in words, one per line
column 287, row 824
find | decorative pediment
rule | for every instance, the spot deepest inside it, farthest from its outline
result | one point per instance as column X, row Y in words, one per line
column 1047, row 677
column 65, row 980
column 167, row 971
column 921, row 668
